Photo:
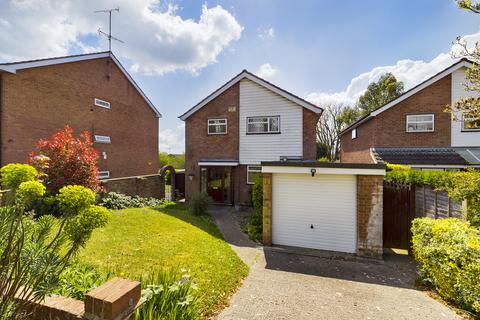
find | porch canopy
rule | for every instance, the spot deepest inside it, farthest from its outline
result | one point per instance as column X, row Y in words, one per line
column 218, row 163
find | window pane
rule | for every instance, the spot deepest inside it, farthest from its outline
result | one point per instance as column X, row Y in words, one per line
column 471, row 124
column 217, row 128
column 257, row 127
column 274, row 124
column 420, row 118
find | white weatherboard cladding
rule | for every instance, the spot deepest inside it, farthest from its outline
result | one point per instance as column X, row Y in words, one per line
column 459, row 138
column 328, row 202
column 256, row 100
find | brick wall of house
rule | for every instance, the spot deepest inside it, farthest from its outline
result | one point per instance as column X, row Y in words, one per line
column 199, row 145
column 37, row 102
column 391, row 124
column 310, row 120
column 358, row 150
column 388, row 129
column 370, row 215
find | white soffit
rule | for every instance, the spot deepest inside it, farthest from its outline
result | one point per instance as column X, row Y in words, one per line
column 247, row 75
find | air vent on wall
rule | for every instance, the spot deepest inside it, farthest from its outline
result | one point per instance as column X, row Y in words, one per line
column 102, row 103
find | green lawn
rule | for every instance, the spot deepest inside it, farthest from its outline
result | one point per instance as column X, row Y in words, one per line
column 139, row 241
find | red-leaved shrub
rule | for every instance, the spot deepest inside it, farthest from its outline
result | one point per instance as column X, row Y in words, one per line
column 67, row 160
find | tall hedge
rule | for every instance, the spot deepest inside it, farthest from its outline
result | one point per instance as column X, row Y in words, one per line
column 448, row 251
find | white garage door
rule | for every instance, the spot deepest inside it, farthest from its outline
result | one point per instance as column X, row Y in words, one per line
column 325, row 202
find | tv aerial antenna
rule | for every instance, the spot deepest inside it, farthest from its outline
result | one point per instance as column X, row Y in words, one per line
column 109, row 34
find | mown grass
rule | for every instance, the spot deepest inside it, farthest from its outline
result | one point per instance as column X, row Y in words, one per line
column 139, row 241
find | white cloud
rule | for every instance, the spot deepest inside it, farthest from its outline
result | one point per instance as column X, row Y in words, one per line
column 266, row 71
column 266, row 33
column 411, row 72
column 156, row 41
column 172, row 141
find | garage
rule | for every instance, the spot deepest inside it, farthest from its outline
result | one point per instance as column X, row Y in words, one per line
column 322, row 214
column 325, row 206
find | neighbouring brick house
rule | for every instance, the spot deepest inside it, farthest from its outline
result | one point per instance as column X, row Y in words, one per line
column 246, row 121
column 414, row 129
column 91, row 92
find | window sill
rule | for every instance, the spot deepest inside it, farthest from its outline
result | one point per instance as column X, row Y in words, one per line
column 261, row 133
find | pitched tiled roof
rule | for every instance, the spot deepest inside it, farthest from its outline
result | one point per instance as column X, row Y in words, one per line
column 419, row 156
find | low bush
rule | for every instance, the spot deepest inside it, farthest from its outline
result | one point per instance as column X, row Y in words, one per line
column 198, row 203
column 78, row 279
column 255, row 225
column 117, row 201
column 255, row 220
column 14, row 174
column 448, row 251
column 257, row 194
column 168, row 295
column 75, row 198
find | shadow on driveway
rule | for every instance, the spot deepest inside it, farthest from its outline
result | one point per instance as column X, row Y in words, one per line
column 394, row 270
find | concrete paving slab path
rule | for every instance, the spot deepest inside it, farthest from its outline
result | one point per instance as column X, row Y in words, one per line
column 285, row 285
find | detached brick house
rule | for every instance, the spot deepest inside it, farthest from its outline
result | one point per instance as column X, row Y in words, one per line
column 91, row 92
column 413, row 129
column 246, row 121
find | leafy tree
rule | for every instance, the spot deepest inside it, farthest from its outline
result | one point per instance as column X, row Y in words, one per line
column 348, row 116
column 34, row 253
column 67, row 160
column 379, row 93
column 468, row 107
column 175, row 160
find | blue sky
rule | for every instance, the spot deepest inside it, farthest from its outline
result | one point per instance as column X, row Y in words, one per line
column 313, row 48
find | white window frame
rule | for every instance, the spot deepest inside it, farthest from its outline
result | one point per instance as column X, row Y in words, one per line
column 102, row 103
column 354, row 134
column 251, row 120
column 102, row 139
column 258, row 169
column 216, row 124
column 103, row 174
column 420, row 114
column 467, row 129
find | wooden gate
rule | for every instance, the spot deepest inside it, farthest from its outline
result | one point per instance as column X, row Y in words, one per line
column 398, row 213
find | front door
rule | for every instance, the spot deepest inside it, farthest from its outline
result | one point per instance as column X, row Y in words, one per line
column 217, row 183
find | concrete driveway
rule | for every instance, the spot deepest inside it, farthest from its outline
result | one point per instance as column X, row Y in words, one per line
column 286, row 285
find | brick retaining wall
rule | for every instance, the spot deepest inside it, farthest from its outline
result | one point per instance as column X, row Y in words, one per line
column 143, row 186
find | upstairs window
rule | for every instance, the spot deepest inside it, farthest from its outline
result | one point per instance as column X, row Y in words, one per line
column 420, row 123
column 102, row 139
column 354, row 133
column 259, row 125
column 217, row 126
column 102, row 103
column 471, row 124
column 253, row 172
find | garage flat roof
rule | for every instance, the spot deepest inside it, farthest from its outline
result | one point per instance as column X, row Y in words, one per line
column 312, row 167
column 317, row 164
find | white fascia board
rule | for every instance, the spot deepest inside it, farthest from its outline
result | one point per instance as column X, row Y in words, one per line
column 8, row 69
column 284, row 94
column 217, row 164
column 319, row 170
column 422, row 86
column 119, row 65
column 258, row 81
column 53, row 61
